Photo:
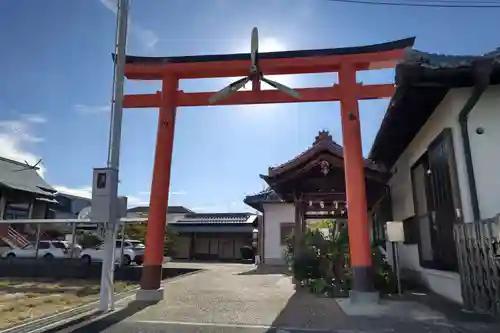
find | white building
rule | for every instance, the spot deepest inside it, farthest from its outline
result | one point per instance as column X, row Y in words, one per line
column 440, row 138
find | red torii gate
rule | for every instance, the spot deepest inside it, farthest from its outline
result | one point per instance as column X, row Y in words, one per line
column 346, row 61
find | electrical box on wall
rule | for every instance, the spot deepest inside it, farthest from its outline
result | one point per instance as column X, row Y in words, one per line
column 103, row 190
column 395, row 231
column 122, row 206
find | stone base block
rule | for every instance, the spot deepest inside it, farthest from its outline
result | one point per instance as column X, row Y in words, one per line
column 154, row 295
column 363, row 297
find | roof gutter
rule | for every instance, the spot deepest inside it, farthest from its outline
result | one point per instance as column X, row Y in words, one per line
column 481, row 70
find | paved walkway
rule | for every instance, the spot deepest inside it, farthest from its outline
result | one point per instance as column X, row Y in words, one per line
column 234, row 298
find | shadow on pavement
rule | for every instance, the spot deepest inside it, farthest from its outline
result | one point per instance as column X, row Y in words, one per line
column 101, row 324
column 305, row 311
column 308, row 311
column 267, row 270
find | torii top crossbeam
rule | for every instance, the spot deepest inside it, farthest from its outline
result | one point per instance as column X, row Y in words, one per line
column 378, row 56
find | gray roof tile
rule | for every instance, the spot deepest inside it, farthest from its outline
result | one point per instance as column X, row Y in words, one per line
column 13, row 176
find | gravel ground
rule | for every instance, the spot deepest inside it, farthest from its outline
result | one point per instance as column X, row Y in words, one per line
column 231, row 298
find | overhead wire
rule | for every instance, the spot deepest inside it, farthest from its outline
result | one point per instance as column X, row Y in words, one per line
column 423, row 3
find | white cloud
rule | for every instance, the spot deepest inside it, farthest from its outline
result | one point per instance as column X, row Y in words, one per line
column 231, row 207
column 85, row 191
column 16, row 136
column 133, row 201
column 88, row 109
column 178, row 193
column 110, row 4
column 34, row 118
column 147, row 37
column 140, row 199
column 147, row 193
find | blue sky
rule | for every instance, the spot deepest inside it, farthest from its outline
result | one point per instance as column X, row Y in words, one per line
column 57, row 71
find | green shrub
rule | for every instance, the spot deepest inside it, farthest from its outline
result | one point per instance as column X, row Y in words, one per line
column 322, row 261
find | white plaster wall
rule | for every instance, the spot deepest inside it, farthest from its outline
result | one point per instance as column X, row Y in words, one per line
column 170, row 217
column 274, row 215
column 485, row 151
column 174, row 217
column 445, row 116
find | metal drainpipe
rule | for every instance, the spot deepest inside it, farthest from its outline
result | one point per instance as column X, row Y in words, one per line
column 482, row 71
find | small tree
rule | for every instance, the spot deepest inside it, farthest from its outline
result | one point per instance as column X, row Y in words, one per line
column 138, row 231
column 169, row 242
column 88, row 239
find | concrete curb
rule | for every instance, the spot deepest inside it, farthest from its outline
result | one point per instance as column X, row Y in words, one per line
column 84, row 314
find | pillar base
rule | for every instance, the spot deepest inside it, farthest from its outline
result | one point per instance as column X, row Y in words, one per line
column 364, row 297
column 145, row 295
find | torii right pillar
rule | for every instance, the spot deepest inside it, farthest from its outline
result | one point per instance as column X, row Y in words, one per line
column 362, row 289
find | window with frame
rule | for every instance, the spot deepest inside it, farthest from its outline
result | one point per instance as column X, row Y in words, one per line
column 435, row 193
column 44, row 245
column 17, row 209
column 286, row 231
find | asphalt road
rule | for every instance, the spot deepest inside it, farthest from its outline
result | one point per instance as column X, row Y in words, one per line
column 173, row 327
column 150, row 327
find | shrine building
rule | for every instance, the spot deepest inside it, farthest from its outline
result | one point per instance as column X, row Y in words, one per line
column 310, row 187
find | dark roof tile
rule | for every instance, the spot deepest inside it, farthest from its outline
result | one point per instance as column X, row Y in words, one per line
column 423, row 80
column 217, row 218
column 171, row 210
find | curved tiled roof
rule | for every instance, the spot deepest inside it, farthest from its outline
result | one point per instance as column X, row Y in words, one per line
column 266, row 196
column 323, row 143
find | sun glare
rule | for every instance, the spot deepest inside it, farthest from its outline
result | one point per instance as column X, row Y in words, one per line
column 268, row 44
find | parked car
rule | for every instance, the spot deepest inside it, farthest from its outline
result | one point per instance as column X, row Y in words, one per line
column 76, row 248
column 133, row 251
column 47, row 250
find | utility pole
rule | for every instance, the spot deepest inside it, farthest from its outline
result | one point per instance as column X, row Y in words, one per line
column 107, row 275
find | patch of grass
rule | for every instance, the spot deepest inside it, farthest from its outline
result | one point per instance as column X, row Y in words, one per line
column 87, row 290
column 38, row 298
column 5, row 283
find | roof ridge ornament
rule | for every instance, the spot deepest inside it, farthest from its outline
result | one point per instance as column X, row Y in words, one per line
column 323, row 135
column 325, row 167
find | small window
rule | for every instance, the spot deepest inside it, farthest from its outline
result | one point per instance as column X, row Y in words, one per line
column 60, row 245
column 286, row 231
column 118, row 244
column 44, row 245
column 136, row 244
column 101, row 180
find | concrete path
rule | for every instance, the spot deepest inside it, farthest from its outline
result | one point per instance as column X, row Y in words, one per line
column 234, row 298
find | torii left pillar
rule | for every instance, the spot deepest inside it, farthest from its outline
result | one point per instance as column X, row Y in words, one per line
column 151, row 289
